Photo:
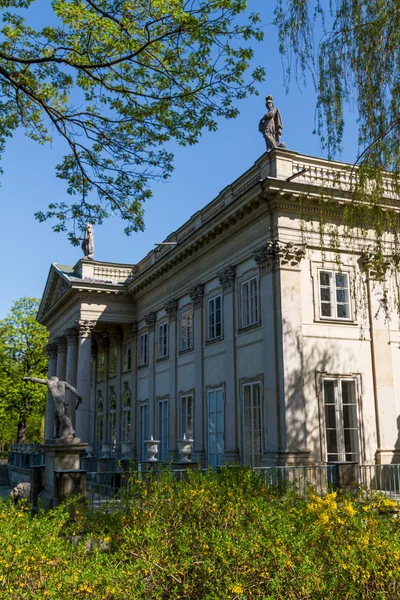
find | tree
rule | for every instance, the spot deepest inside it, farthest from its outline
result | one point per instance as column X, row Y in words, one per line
column 117, row 79
column 22, row 352
column 351, row 50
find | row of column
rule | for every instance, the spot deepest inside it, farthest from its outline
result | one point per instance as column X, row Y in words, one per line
column 70, row 360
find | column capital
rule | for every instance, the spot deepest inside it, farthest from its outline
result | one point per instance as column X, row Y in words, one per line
column 51, row 350
column 105, row 340
column 171, row 308
column 72, row 336
column 227, row 278
column 85, row 328
column 196, row 294
column 61, row 344
column 279, row 254
column 150, row 319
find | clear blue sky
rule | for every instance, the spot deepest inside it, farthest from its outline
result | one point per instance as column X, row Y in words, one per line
column 27, row 248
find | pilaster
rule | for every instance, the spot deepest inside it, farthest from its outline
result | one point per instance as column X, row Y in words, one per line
column 171, row 309
column 150, row 319
column 51, row 351
column 134, row 367
column 196, row 294
column 118, row 337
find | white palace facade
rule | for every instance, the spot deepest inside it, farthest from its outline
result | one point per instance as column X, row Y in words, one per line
column 251, row 335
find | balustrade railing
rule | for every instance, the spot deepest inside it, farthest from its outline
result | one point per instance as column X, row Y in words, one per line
column 26, row 455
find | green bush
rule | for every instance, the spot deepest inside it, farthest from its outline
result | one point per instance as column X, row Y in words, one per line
column 215, row 536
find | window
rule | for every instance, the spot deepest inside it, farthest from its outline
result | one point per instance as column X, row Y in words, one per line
column 187, row 330
column 126, row 416
column 143, row 355
column 334, row 295
column 341, row 420
column 249, row 301
column 215, row 427
column 112, row 420
column 163, row 429
column 99, row 421
column 112, row 362
column 143, row 430
column 252, row 430
column 127, row 356
column 163, row 340
column 186, row 417
column 100, row 367
column 215, row 318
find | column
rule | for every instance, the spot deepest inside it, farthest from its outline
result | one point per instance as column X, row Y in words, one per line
column 83, row 379
column 118, row 337
column 151, row 323
column 71, row 368
column 171, row 308
column 51, row 351
column 227, row 281
column 134, row 408
column 93, row 394
column 61, row 358
column 196, row 294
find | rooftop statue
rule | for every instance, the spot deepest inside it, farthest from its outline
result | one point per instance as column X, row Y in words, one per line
column 88, row 242
column 62, row 414
column 271, row 125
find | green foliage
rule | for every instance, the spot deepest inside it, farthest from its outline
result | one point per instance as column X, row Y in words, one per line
column 117, row 80
column 212, row 537
column 22, row 352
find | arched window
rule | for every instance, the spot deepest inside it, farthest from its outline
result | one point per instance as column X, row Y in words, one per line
column 99, row 421
column 112, row 421
column 126, row 416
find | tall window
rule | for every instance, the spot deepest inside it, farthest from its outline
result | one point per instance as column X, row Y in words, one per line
column 252, row 430
column 143, row 430
column 163, row 340
column 187, row 330
column 127, row 356
column 334, row 295
column 126, row 416
column 341, row 420
column 112, row 362
column 112, row 420
column 215, row 318
column 99, row 421
column 144, row 349
column 186, row 416
column 100, row 366
column 249, row 302
column 163, row 429
column 215, row 427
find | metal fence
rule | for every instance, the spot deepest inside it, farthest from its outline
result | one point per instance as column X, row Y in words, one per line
column 380, row 478
column 26, row 455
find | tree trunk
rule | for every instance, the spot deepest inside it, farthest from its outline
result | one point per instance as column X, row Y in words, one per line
column 21, row 435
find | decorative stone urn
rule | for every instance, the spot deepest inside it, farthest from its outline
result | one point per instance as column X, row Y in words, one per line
column 184, row 449
column 126, row 449
column 90, row 450
column 151, row 449
column 106, row 449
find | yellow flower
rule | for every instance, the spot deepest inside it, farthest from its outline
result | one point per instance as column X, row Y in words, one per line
column 236, row 589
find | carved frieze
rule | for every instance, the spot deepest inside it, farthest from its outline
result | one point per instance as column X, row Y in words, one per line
column 150, row 319
column 196, row 294
column 279, row 254
column 227, row 278
column 171, row 309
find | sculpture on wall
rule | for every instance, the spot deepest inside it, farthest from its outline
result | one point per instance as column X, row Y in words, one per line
column 62, row 414
column 88, row 242
column 271, row 125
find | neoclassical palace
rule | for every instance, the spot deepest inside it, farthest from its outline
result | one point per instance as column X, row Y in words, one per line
column 248, row 333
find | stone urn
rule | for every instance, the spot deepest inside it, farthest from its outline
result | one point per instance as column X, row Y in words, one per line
column 106, row 449
column 184, row 449
column 90, row 451
column 126, row 449
column 151, row 449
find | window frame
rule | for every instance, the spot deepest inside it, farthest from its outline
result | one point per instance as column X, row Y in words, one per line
column 99, row 433
column 127, row 356
column 126, row 422
column 212, row 335
column 112, row 362
column 252, row 383
column 144, row 349
column 333, row 295
column 188, row 339
column 163, row 427
column 210, row 390
column 162, row 344
column 183, row 428
column 112, row 420
column 143, row 432
column 247, row 282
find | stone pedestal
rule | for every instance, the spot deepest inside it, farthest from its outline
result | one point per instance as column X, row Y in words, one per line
column 347, row 476
column 63, row 476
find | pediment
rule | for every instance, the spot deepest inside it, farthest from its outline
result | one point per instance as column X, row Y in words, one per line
column 56, row 287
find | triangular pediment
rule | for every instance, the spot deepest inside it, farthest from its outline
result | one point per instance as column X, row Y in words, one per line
column 56, row 287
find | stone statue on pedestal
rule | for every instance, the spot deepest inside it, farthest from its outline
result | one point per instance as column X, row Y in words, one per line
column 88, row 242
column 62, row 415
column 271, row 125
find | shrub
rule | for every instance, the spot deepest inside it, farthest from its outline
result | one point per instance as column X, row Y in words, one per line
column 214, row 536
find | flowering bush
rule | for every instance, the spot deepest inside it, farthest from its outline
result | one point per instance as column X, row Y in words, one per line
column 214, row 536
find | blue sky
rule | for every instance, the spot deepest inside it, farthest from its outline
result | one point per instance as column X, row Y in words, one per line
column 27, row 248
